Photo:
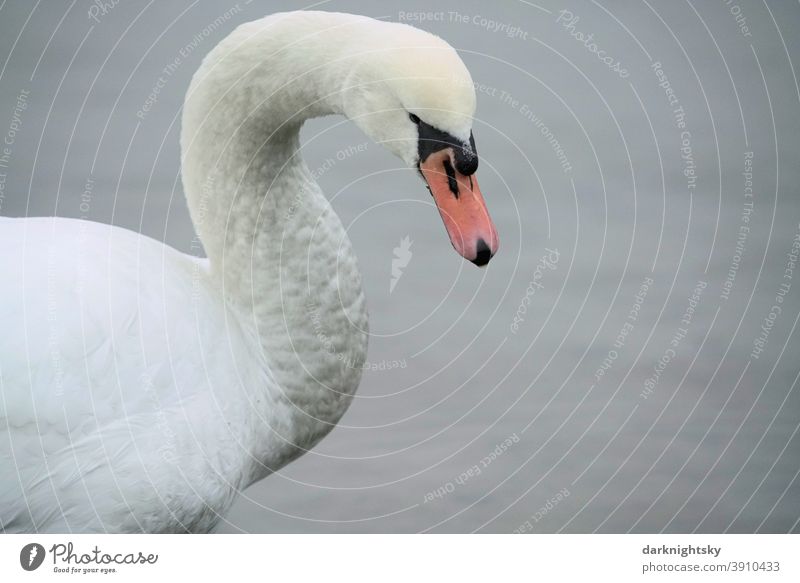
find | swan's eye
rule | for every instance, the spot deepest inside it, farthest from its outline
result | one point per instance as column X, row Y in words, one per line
column 413, row 118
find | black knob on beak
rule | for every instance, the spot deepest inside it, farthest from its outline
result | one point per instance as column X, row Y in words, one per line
column 467, row 157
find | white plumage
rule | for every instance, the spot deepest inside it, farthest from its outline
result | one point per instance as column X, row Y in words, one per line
column 142, row 388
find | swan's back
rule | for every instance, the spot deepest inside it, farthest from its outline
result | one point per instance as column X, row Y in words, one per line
column 105, row 377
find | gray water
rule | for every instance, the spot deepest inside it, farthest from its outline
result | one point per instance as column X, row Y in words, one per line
column 551, row 392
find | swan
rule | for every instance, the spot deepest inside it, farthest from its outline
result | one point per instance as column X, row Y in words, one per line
column 142, row 388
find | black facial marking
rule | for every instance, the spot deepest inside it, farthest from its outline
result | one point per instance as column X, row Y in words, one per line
column 432, row 140
column 414, row 118
column 451, row 177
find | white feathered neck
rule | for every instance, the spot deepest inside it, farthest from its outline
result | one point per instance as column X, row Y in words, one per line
column 277, row 250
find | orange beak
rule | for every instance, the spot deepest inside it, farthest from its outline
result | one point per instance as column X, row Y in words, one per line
column 461, row 207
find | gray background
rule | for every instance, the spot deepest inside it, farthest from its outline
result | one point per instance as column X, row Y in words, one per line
column 713, row 448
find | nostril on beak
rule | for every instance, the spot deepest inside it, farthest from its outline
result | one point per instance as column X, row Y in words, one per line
column 483, row 253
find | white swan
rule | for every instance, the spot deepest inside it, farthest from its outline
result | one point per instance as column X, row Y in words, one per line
column 142, row 388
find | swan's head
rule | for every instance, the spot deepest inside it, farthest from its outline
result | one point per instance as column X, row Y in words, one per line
column 412, row 94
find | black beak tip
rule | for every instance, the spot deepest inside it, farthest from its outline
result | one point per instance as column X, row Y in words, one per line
column 483, row 253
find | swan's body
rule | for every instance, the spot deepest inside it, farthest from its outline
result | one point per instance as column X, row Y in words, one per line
column 142, row 388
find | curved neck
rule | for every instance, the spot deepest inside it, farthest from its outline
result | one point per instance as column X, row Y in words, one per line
column 276, row 248
column 240, row 134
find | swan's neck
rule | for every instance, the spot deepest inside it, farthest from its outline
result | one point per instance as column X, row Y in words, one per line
column 278, row 252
